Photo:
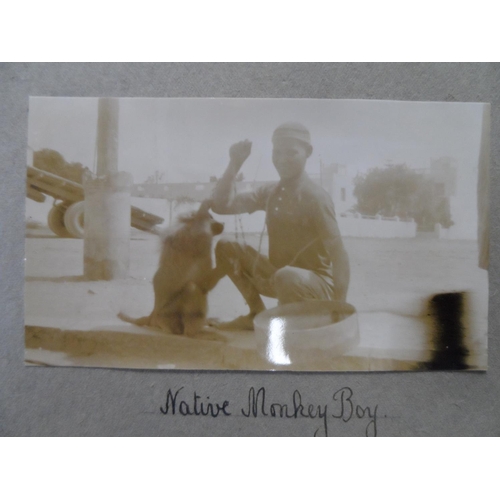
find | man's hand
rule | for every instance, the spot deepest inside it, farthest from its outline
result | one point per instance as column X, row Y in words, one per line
column 239, row 152
column 224, row 191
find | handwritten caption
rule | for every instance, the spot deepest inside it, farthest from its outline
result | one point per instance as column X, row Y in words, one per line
column 342, row 407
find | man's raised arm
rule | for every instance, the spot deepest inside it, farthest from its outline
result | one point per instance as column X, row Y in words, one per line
column 224, row 200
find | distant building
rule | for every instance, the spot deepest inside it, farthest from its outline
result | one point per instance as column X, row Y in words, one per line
column 450, row 181
column 335, row 179
column 444, row 172
column 182, row 197
column 187, row 191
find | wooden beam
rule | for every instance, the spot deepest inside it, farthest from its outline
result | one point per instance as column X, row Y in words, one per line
column 34, row 194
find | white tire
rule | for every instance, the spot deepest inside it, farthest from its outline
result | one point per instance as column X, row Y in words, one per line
column 73, row 219
column 55, row 220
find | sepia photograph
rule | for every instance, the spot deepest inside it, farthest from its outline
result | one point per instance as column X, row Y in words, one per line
column 257, row 234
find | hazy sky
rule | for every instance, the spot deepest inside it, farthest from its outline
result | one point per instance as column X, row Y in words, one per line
column 188, row 139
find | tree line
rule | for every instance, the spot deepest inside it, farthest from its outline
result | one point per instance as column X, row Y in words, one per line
column 399, row 191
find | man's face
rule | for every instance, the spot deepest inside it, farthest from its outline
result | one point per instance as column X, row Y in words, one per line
column 289, row 157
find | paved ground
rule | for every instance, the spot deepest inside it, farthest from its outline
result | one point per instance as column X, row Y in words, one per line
column 72, row 321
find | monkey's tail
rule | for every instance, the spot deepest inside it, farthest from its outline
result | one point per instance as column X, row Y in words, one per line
column 144, row 321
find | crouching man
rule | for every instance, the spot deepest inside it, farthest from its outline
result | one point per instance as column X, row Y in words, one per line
column 307, row 259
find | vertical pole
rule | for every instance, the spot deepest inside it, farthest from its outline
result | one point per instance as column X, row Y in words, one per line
column 107, row 136
column 107, row 203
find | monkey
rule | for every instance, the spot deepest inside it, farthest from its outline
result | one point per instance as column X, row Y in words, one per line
column 184, row 276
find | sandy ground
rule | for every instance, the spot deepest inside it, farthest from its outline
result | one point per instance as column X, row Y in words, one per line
column 390, row 281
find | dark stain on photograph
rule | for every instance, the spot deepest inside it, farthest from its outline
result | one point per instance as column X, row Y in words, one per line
column 448, row 331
